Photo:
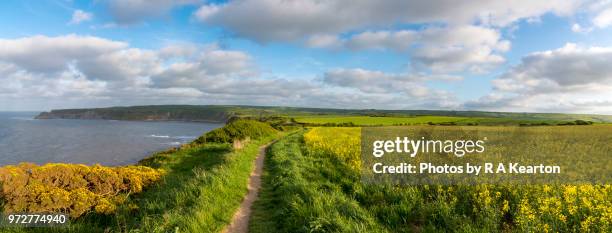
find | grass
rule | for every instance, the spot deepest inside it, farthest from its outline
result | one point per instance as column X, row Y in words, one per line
column 304, row 192
column 413, row 120
column 367, row 120
column 308, row 190
column 204, row 185
column 301, row 193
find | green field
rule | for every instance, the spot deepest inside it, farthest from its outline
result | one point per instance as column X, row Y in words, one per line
column 414, row 120
column 366, row 120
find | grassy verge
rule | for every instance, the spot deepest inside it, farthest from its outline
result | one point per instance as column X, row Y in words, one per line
column 203, row 186
column 205, row 194
column 302, row 193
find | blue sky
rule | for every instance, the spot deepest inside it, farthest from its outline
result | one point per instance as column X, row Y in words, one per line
column 480, row 55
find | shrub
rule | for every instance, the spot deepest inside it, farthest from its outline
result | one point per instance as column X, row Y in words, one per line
column 238, row 129
column 73, row 189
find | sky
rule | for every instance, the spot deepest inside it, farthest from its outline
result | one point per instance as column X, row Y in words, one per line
column 518, row 56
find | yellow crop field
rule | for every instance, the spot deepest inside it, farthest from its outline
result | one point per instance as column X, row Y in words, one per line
column 524, row 208
column 340, row 142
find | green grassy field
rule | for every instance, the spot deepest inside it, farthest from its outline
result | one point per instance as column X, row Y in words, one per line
column 414, row 120
column 366, row 120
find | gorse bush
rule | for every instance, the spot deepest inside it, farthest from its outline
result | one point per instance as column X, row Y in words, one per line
column 73, row 189
column 238, row 130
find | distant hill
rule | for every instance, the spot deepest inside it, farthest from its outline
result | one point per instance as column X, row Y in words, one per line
column 144, row 113
column 221, row 113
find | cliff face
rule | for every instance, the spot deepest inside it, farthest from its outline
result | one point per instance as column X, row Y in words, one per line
column 143, row 113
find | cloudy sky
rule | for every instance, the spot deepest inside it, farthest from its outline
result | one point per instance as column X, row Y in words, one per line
column 522, row 55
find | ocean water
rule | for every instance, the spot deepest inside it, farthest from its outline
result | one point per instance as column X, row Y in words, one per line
column 24, row 139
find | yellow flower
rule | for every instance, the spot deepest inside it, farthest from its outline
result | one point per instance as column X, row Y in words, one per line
column 506, row 206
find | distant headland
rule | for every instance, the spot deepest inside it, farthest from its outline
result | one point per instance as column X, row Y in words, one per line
column 223, row 113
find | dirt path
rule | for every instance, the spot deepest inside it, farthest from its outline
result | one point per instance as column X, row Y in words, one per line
column 240, row 221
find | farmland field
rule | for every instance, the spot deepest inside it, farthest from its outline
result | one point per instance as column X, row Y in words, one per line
column 313, row 185
column 412, row 120
column 366, row 120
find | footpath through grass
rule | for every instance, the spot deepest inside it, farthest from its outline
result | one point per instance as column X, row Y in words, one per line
column 303, row 193
column 306, row 192
column 203, row 187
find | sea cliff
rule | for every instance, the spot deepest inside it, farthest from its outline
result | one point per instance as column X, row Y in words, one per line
column 144, row 113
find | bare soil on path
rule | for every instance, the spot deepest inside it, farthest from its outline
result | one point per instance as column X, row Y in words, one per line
column 240, row 221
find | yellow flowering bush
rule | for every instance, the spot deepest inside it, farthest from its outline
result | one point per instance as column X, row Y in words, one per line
column 73, row 189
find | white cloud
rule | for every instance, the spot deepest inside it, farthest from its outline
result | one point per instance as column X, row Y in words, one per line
column 360, row 88
column 375, row 81
column 368, row 81
column 83, row 70
column 595, row 14
column 181, row 50
column 80, row 16
column 455, row 37
column 127, row 12
column 206, row 11
column 436, row 49
column 394, row 40
column 227, row 62
column 604, row 18
column 324, row 41
column 58, row 66
column 47, row 54
column 280, row 20
column 69, row 83
column 580, row 29
column 568, row 79
column 563, row 69
column 474, row 48
column 128, row 65
column 90, row 71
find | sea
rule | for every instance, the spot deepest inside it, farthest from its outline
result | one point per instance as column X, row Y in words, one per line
column 105, row 142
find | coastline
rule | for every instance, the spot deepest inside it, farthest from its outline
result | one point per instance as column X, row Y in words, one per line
column 105, row 142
